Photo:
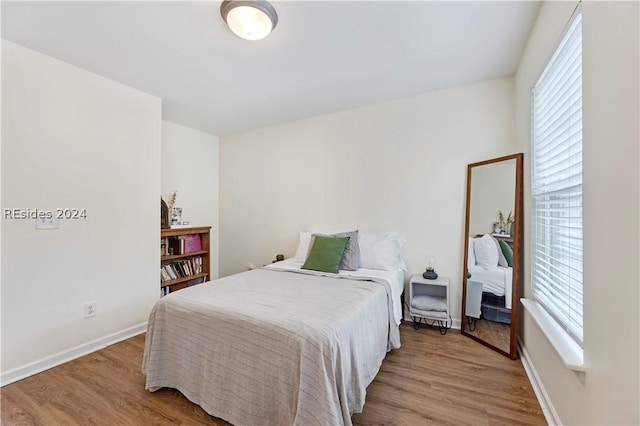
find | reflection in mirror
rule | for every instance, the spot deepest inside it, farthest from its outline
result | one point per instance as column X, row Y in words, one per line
column 492, row 264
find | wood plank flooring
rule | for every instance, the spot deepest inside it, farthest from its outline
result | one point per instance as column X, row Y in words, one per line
column 431, row 380
column 496, row 333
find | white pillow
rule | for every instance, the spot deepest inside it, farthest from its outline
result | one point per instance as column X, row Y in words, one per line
column 303, row 246
column 471, row 255
column 381, row 250
column 486, row 252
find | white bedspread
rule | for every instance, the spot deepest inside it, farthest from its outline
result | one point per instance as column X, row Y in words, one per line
column 272, row 347
column 395, row 278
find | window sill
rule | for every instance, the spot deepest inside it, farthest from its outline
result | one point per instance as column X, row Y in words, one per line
column 571, row 353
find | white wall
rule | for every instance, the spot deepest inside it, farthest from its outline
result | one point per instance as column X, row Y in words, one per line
column 609, row 391
column 190, row 167
column 398, row 166
column 73, row 139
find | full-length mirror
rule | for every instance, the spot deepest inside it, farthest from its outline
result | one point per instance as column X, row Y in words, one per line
column 491, row 279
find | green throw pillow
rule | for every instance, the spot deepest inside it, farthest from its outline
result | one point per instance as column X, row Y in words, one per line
column 326, row 254
column 507, row 251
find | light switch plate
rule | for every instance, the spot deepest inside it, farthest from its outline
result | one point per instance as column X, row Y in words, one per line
column 47, row 223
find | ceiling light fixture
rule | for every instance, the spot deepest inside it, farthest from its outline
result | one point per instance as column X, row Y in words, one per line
column 251, row 20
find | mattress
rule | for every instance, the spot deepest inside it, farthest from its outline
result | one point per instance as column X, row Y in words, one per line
column 271, row 346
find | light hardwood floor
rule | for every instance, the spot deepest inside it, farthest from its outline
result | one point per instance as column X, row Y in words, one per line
column 431, row 380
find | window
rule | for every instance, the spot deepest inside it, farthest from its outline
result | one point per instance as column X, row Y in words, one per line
column 556, row 184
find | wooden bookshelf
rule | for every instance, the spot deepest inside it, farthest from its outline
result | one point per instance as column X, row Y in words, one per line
column 198, row 266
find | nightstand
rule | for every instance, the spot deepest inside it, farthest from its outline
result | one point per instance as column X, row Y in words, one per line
column 429, row 300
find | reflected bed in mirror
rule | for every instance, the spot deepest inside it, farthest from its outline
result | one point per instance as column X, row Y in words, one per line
column 493, row 246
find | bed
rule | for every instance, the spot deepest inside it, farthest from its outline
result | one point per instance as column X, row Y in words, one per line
column 490, row 284
column 276, row 345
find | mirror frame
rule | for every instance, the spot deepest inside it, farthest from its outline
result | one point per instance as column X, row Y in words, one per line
column 517, row 255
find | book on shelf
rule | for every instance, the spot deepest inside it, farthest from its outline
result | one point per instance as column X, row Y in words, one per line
column 196, row 264
column 177, row 245
column 164, row 275
column 192, row 243
column 178, row 270
column 184, row 268
column 171, row 272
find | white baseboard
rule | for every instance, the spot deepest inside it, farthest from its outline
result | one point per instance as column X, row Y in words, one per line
column 455, row 323
column 54, row 360
column 548, row 410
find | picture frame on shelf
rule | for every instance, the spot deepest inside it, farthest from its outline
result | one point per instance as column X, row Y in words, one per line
column 497, row 229
column 176, row 216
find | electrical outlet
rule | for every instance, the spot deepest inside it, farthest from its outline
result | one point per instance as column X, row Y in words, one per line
column 90, row 309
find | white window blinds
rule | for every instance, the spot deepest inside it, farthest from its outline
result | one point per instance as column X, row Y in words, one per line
column 556, row 184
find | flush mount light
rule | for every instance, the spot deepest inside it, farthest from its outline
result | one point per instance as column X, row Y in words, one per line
column 251, row 20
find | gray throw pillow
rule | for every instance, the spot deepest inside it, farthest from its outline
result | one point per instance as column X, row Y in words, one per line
column 351, row 257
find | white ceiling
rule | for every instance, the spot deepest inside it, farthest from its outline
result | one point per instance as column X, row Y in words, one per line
column 323, row 56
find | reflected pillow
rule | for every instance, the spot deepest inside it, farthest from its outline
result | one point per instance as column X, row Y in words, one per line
column 507, row 251
column 326, row 254
column 486, row 252
column 502, row 261
column 471, row 256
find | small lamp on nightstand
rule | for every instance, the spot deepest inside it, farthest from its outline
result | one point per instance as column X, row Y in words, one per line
column 430, row 273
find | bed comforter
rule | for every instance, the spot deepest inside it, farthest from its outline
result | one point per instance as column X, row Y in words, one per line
column 272, row 347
